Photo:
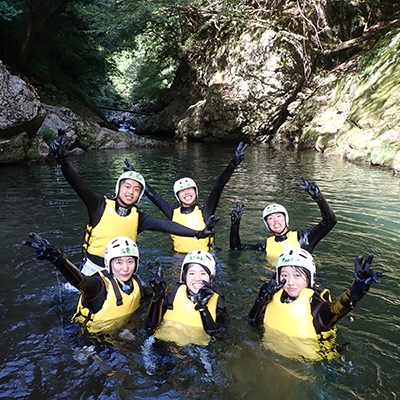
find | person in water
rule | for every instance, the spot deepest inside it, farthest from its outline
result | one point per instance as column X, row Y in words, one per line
column 111, row 295
column 291, row 306
column 189, row 213
column 119, row 215
column 276, row 219
column 194, row 310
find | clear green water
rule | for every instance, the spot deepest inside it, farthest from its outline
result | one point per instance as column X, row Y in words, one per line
column 44, row 356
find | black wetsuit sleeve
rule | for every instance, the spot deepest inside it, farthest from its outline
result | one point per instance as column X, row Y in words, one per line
column 236, row 244
column 154, row 314
column 210, row 205
column 148, row 223
column 309, row 238
column 162, row 205
column 326, row 313
column 256, row 314
column 94, row 202
column 92, row 287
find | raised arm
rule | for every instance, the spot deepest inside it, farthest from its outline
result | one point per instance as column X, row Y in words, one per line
column 310, row 238
column 210, row 205
column 234, row 237
column 162, row 205
column 90, row 286
column 89, row 198
column 327, row 313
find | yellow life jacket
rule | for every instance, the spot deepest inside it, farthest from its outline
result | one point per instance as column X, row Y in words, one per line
column 289, row 329
column 110, row 225
column 193, row 220
column 117, row 309
column 182, row 324
column 274, row 249
column 295, row 318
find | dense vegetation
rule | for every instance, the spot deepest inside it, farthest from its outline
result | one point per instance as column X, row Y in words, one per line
column 125, row 51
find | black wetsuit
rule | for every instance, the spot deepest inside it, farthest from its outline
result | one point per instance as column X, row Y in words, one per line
column 325, row 312
column 92, row 287
column 96, row 203
column 158, row 308
column 208, row 208
column 307, row 238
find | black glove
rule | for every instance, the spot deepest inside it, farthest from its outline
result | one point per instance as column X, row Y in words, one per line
column 157, row 281
column 236, row 214
column 209, row 230
column 129, row 166
column 58, row 147
column 44, row 250
column 239, row 154
column 204, row 295
column 268, row 289
column 364, row 277
column 310, row 187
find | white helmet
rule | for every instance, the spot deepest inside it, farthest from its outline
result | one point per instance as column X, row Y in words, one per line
column 184, row 183
column 120, row 246
column 201, row 257
column 275, row 208
column 297, row 257
column 136, row 177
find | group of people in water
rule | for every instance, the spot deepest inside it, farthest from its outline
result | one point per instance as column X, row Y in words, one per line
column 289, row 304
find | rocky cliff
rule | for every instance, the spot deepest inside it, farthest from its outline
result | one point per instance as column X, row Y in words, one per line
column 29, row 121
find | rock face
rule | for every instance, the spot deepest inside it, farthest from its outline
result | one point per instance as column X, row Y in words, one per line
column 20, row 107
column 245, row 90
column 354, row 112
column 21, row 114
column 27, row 125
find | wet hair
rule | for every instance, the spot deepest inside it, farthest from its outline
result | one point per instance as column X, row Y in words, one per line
column 187, row 266
column 302, row 271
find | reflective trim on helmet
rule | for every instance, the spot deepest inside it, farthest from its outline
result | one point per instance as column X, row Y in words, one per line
column 184, row 183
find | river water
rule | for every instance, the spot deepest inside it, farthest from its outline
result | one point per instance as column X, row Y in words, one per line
column 45, row 356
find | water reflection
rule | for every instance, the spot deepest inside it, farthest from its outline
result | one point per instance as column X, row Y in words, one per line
column 44, row 355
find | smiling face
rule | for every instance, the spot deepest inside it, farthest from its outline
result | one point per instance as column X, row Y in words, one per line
column 296, row 280
column 187, row 197
column 123, row 267
column 277, row 223
column 195, row 276
column 129, row 191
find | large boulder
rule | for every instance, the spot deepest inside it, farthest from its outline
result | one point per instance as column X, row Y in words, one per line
column 21, row 114
column 247, row 86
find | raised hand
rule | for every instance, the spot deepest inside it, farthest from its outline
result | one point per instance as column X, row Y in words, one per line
column 58, row 147
column 209, row 230
column 44, row 250
column 363, row 271
column 157, row 281
column 204, row 295
column 128, row 166
column 364, row 276
column 268, row 289
column 236, row 214
column 239, row 154
column 310, row 187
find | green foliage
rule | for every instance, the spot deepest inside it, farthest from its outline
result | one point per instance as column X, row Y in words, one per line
column 7, row 12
